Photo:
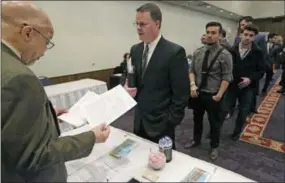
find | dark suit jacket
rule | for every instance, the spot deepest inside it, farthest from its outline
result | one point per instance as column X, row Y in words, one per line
column 252, row 66
column 163, row 92
column 275, row 51
column 31, row 148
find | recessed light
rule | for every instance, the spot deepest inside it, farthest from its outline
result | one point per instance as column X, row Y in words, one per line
column 221, row 10
column 208, row 6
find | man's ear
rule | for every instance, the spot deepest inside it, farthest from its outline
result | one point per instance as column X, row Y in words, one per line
column 27, row 32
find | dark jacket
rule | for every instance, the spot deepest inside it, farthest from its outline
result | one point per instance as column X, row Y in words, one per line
column 31, row 149
column 163, row 90
column 252, row 66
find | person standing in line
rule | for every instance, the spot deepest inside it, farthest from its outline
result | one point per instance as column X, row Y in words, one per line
column 269, row 62
column 280, row 62
column 223, row 40
column 208, row 87
column 248, row 68
column 260, row 41
column 31, row 147
column 161, row 75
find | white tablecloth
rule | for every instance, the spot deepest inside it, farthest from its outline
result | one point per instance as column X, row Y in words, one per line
column 91, row 168
column 64, row 95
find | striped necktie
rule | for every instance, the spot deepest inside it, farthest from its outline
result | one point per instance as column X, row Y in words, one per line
column 144, row 59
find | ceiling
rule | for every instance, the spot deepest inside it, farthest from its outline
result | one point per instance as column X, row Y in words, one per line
column 204, row 7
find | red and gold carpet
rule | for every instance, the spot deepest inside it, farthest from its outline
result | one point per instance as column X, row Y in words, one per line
column 253, row 130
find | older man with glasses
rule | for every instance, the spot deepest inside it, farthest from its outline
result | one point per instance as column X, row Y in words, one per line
column 31, row 149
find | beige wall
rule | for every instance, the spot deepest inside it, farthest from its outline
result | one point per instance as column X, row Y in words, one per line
column 257, row 9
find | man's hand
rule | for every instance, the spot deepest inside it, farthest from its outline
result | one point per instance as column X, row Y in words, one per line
column 58, row 112
column 131, row 91
column 194, row 93
column 244, row 83
column 217, row 97
column 101, row 133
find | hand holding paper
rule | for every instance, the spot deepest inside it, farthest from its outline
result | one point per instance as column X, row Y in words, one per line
column 74, row 116
column 101, row 133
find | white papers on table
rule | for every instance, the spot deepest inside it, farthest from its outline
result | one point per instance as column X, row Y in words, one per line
column 108, row 107
column 74, row 115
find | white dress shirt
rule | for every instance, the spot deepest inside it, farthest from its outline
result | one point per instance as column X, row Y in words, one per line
column 12, row 48
column 243, row 51
column 151, row 47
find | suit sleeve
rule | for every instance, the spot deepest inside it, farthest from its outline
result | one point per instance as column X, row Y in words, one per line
column 260, row 68
column 28, row 146
column 179, row 85
column 192, row 68
column 262, row 45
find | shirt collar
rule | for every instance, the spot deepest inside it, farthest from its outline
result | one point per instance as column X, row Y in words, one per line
column 241, row 48
column 214, row 47
column 154, row 42
column 13, row 49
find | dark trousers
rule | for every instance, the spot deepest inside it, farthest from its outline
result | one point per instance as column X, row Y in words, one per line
column 205, row 103
column 268, row 77
column 244, row 97
column 282, row 82
column 170, row 132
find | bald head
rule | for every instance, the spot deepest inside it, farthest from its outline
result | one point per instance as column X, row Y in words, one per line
column 23, row 12
column 22, row 26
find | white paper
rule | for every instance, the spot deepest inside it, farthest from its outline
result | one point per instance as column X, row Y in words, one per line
column 74, row 115
column 108, row 107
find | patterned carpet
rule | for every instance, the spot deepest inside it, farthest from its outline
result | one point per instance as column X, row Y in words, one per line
column 253, row 131
column 251, row 160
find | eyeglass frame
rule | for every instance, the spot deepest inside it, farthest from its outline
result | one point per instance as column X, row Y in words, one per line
column 47, row 39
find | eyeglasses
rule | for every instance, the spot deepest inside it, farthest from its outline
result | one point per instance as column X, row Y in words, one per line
column 141, row 25
column 49, row 44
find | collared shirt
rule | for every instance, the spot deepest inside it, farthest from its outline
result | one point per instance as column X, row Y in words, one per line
column 151, row 47
column 12, row 48
column 269, row 46
column 221, row 70
column 243, row 51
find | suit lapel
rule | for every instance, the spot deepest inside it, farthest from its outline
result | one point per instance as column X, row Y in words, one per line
column 139, row 53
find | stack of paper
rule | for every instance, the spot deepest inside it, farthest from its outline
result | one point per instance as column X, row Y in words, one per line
column 97, row 109
column 74, row 115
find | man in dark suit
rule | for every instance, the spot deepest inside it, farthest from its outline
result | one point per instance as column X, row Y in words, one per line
column 31, row 149
column 162, row 83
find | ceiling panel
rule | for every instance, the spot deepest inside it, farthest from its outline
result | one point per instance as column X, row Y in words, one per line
column 205, row 8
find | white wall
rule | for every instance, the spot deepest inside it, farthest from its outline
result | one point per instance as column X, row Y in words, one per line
column 261, row 9
column 238, row 7
column 93, row 35
column 256, row 9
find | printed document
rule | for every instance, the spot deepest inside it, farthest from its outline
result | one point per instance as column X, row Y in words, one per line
column 108, row 107
column 74, row 115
